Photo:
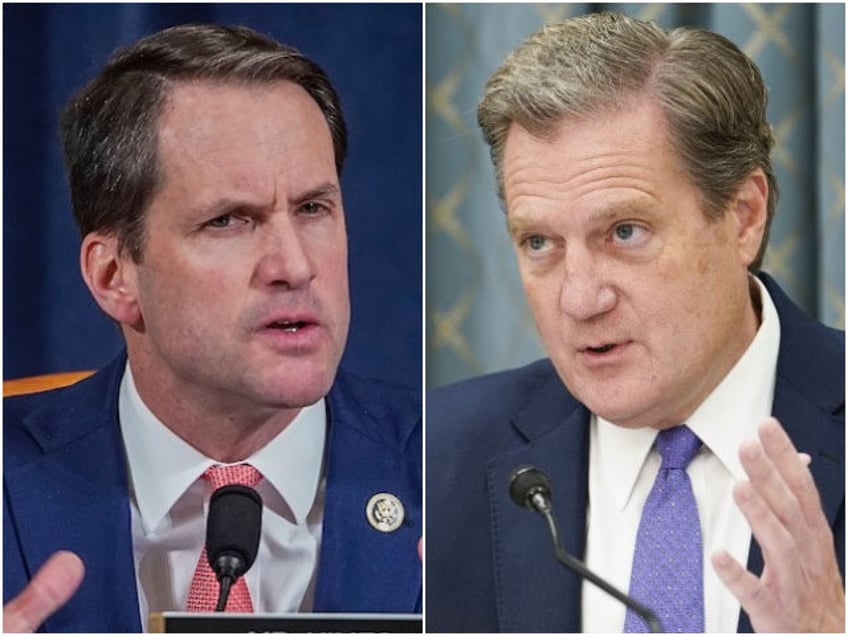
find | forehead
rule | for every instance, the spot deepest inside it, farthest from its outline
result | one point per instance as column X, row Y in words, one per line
column 214, row 134
column 211, row 116
column 604, row 154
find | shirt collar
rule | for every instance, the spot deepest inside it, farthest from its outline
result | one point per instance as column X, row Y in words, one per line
column 727, row 417
column 163, row 466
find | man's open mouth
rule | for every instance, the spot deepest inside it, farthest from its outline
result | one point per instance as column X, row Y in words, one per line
column 288, row 325
column 602, row 348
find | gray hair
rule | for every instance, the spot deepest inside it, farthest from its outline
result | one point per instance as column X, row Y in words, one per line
column 712, row 95
column 110, row 128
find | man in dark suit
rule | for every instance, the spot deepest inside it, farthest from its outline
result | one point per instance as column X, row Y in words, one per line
column 634, row 168
column 204, row 168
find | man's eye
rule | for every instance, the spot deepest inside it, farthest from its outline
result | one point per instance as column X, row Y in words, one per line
column 225, row 220
column 313, row 208
column 536, row 242
column 628, row 233
column 624, row 232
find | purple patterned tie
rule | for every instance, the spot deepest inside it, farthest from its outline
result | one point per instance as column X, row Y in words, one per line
column 668, row 572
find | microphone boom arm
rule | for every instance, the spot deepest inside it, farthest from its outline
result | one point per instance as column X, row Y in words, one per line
column 573, row 564
column 529, row 487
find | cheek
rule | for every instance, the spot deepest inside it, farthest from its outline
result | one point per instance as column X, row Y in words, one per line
column 186, row 303
column 541, row 298
column 661, row 305
column 681, row 323
column 332, row 287
column 165, row 310
column 341, row 299
column 335, row 270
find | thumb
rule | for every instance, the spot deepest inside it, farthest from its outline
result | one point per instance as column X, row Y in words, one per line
column 50, row 588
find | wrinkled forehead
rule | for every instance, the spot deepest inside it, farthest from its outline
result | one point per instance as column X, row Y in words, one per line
column 603, row 131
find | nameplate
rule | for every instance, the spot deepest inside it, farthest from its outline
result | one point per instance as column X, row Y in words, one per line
column 220, row 622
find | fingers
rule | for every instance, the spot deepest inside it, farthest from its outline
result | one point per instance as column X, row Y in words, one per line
column 742, row 584
column 792, row 471
column 768, row 504
column 781, row 501
column 788, row 515
column 800, row 588
column 421, row 548
column 50, row 588
column 776, row 542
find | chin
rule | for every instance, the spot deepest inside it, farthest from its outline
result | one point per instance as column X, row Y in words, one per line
column 623, row 419
column 298, row 391
column 639, row 413
column 628, row 411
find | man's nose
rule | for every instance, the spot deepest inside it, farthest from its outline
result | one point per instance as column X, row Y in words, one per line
column 584, row 292
column 286, row 258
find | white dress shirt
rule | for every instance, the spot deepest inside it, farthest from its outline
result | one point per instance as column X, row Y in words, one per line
column 169, row 503
column 623, row 465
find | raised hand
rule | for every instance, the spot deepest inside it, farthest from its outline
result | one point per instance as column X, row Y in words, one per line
column 800, row 589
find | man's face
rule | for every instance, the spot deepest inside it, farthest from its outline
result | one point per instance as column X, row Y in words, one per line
column 642, row 303
column 242, row 289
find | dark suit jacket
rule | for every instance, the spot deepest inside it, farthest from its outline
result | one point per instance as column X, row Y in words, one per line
column 65, row 486
column 490, row 564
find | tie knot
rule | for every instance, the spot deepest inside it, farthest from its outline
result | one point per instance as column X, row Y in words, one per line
column 677, row 446
column 241, row 474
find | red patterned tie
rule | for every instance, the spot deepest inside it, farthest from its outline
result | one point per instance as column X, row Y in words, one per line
column 203, row 594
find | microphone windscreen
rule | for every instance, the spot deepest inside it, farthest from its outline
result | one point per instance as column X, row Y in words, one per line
column 526, row 481
column 234, row 525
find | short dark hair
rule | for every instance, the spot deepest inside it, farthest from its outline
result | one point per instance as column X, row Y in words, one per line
column 712, row 96
column 110, row 128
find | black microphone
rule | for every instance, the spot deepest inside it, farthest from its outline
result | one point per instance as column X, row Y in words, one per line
column 232, row 535
column 530, row 487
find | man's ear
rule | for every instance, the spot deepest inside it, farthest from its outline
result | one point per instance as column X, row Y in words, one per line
column 750, row 208
column 111, row 278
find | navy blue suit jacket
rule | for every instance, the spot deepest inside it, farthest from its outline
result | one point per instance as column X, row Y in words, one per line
column 66, row 487
column 490, row 564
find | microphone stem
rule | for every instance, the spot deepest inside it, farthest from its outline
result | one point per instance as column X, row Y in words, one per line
column 224, row 594
column 570, row 562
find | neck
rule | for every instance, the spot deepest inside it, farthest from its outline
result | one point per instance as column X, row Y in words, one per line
column 756, row 301
column 227, row 429
column 746, row 330
column 231, row 439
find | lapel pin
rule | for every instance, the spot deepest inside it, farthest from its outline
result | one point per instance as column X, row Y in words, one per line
column 384, row 512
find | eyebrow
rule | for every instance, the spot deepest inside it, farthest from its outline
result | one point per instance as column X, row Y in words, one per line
column 618, row 210
column 324, row 190
column 516, row 226
column 606, row 215
column 224, row 204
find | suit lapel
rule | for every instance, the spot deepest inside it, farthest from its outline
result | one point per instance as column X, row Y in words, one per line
column 81, row 504
column 533, row 591
column 362, row 568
